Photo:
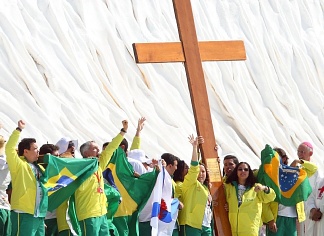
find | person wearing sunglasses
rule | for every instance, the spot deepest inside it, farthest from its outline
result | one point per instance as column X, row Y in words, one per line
column 244, row 200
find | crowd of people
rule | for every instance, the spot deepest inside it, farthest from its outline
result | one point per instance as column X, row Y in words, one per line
column 251, row 206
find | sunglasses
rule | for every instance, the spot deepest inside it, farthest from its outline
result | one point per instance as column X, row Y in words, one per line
column 243, row 169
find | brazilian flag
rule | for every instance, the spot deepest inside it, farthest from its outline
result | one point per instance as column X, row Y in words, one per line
column 64, row 175
column 290, row 184
column 134, row 191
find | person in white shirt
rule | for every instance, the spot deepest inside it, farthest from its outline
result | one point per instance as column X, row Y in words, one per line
column 138, row 160
column 5, row 223
column 305, row 152
column 315, row 203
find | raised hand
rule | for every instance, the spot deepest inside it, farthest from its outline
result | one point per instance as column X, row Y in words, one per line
column 193, row 140
column 21, row 124
column 140, row 124
column 125, row 125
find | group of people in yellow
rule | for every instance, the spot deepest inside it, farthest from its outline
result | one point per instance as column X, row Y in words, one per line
column 249, row 203
column 255, row 210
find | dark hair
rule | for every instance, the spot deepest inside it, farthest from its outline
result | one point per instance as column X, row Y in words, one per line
column 48, row 148
column 230, row 157
column 169, row 158
column 105, row 145
column 207, row 180
column 125, row 143
column 25, row 144
column 178, row 174
column 250, row 181
column 280, row 152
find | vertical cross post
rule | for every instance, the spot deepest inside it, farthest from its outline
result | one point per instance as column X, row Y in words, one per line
column 192, row 53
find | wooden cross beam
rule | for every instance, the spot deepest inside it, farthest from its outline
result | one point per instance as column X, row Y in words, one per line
column 192, row 54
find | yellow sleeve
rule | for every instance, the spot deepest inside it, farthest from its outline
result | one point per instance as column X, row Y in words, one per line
column 13, row 159
column 109, row 150
column 191, row 177
column 136, row 143
column 309, row 167
column 269, row 211
column 266, row 197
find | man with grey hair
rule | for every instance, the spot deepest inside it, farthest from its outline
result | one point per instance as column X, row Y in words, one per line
column 305, row 152
column 90, row 199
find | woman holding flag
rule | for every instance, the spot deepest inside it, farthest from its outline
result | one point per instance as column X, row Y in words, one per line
column 195, row 218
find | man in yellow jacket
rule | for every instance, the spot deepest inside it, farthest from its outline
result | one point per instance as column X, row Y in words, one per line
column 90, row 199
column 29, row 197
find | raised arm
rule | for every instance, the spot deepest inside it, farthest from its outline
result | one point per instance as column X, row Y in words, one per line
column 193, row 172
column 195, row 142
column 13, row 159
column 136, row 143
column 112, row 146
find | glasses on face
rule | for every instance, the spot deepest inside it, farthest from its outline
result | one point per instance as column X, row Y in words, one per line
column 301, row 152
column 243, row 169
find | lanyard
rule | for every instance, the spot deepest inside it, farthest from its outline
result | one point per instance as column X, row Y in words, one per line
column 97, row 176
column 99, row 189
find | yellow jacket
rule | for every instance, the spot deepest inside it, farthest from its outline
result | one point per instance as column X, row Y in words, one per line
column 90, row 202
column 23, row 179
column 61, row 210
column 194, row 197
column 178, row 190
column 245, row 220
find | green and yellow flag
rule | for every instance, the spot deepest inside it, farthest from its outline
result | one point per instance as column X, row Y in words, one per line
column 134, row 191
column 64, row 175
column 290, row 184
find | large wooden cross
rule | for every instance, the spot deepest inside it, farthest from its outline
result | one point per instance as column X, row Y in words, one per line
column 192, row 54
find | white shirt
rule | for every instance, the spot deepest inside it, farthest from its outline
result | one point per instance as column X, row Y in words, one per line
column 39, row 191
column 316, row 200
column 5, row 179
column 287, row 211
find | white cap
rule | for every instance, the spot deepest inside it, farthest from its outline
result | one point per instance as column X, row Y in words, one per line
column 63, row 144
column 139, row 155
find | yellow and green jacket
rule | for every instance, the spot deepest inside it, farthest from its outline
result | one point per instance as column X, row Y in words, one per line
column 61, row 210
column 245, row 219
column 24, row 183
column 194, row 197
column 88, row 201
